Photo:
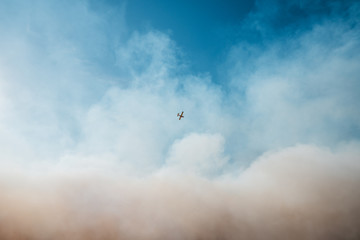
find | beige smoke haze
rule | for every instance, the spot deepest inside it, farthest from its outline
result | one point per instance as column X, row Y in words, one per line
column 91, row 148
column 303, row 192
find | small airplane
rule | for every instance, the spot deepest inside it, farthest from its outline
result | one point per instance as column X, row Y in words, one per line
column 180, row 115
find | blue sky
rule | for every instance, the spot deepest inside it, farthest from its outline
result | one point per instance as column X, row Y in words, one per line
column 90, row 90
column 202, row 28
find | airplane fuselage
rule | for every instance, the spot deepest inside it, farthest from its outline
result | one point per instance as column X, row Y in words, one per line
column 180, row 115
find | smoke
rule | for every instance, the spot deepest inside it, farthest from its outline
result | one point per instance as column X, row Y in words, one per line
column 91, row 147
column 302, row 192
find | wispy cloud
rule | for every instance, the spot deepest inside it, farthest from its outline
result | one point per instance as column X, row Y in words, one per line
column 303, row 88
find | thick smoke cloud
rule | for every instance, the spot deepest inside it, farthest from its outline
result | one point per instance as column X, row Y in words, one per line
column 303, row 192
column 91, row 147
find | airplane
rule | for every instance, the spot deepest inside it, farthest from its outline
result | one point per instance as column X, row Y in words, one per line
column 180, row 115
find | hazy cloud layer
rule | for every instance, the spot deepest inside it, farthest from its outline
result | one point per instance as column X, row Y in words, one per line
column 301, row 192
column 91, row 147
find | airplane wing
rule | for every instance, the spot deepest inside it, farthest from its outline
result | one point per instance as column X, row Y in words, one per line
column 180, row 115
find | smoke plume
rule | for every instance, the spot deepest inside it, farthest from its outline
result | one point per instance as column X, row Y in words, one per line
column 303, row 192
column 91, row 148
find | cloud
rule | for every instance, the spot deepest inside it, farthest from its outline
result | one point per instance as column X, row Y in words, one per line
column 299, row 89
column 202, row 154
column 148, row 59
column 44, row 74
column 91, row 147
column 302, row 191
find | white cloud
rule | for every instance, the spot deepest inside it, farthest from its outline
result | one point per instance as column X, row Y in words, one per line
column 302, row 89
column 199, row 153
column 148, row 59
